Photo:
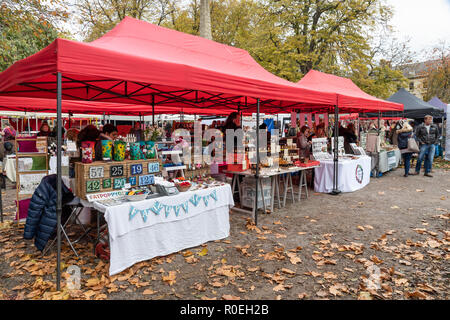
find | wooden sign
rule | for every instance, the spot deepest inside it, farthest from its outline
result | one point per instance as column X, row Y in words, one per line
column 153, row 167
column 136, row 169
column 117, row 171
column 119, row 183
column 92, row 185
column 146, row 179
column 96, row 172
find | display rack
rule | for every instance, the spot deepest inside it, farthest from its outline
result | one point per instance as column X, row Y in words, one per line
column 41, row 146
column 162, row 154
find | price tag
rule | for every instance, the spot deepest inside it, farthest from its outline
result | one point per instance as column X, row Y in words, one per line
column 119, row 183
column 136, row 169
column 96, row 172
column 153, row 167
column 146, row 179
column 132, row 181
column 106, row 183
column 92, row 185
column 116, row 171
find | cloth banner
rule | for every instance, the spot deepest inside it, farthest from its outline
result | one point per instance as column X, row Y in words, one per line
column 302, row 119
column 310, row 121
column 294, row 119
column 317, row 119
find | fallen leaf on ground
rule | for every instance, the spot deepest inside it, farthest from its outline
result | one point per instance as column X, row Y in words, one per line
column 148, row 292
column 230, row 297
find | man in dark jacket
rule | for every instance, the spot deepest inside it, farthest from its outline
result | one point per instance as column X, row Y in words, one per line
column 427, row 134
column 41, row 220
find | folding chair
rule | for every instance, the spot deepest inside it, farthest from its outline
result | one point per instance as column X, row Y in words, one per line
column 73, row 219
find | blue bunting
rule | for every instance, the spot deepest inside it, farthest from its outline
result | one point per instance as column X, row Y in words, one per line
column 176, row 209
column 157, row 206
column 205, row 200
column 133, row 212
column 195, row 199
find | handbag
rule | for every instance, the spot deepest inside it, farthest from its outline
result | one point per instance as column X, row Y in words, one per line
column 412, row 145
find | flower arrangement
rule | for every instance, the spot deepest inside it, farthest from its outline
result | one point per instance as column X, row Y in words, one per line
column 152, row 133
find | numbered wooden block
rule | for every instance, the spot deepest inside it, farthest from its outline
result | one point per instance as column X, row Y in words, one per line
column 92, row 185
column 117, row 171
column 153, row 167
column 132, row 181
column 136, row 169
column 106, row 183
column 146, row 179
column 96, row 172
column 119, row 183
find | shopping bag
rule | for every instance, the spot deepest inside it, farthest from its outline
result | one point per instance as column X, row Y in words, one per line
column 412, row 145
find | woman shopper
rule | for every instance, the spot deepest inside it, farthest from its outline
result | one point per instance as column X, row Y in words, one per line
column 403, row 135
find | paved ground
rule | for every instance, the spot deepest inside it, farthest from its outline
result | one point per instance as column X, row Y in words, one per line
column 387, row 241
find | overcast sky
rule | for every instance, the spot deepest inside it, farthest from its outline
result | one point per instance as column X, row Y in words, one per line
column 425, row 22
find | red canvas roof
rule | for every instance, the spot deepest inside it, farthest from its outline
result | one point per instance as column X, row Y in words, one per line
column 14, row 103
column 137, row 60
column 350, row 98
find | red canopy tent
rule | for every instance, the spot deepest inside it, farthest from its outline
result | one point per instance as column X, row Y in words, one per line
column 349, row 97
column 140, row 63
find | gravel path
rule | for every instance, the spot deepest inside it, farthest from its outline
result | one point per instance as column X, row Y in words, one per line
column 387, row 241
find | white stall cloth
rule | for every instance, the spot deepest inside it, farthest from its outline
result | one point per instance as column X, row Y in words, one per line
column 134, row 239
column 354, row 174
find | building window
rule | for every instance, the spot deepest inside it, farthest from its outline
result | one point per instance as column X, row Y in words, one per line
column 411, row 85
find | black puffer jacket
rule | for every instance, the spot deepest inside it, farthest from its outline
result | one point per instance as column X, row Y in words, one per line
column 425, row 137
column 41, row 220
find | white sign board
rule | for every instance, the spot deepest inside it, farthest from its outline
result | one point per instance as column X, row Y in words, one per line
column 105, row 195
column 29, row 182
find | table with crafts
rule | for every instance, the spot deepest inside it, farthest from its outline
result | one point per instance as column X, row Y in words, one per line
column 354, row 174
column 142, row 230
column 278, row 176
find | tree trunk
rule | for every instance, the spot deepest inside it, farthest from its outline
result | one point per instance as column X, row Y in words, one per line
column 205, row 20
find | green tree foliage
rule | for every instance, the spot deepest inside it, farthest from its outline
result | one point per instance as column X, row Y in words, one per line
column 438, row 79
column 26, row 26
column 287, row 37
column 100, row 16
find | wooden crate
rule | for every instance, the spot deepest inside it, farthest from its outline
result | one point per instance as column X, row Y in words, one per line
column 104, row 176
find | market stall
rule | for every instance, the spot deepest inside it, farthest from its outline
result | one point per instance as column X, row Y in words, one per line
column 349, row 99
column 149, row 71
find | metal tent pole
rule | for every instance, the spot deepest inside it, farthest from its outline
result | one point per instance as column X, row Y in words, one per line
column 257, row 161
column 153, row 109
column 58, row 183
column 335, row 190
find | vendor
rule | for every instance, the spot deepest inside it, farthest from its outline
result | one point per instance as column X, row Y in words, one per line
column 349, row 137
column 44, row 130
column 137, row 131
column 109, row 132
column 302, row 142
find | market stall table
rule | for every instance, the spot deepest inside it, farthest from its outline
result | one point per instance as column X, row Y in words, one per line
column 354, row 174
column 146, row 229
column 275, row 182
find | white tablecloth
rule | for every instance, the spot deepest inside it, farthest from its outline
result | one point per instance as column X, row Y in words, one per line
column 133, row 239
column 353, row 175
